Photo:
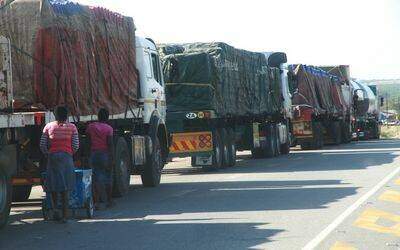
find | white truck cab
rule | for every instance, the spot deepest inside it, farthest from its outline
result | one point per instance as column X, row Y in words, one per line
column 279, row 60
column 152, row 92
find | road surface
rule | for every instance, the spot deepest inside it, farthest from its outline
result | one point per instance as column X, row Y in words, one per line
column 345, row 197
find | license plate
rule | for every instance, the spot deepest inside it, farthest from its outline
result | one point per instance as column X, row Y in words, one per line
column 204, row 160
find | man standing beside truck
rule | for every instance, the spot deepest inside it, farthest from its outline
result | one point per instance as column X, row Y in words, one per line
column 59, row 142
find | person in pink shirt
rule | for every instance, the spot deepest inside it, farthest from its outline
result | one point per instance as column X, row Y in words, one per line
column 100, row 136
column 59, row 142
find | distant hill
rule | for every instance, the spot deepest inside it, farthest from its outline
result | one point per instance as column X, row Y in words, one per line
column 390, row 90
column 382, row 82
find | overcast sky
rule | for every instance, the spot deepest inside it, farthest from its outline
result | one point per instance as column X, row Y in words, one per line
column 362, row 33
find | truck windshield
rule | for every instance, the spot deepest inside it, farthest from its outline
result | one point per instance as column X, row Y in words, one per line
column 156, row 68
column 147, row 65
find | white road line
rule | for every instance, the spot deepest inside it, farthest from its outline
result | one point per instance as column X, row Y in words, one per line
column 324, row 233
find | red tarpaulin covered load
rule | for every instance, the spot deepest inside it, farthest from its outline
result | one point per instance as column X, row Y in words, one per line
column 65, row 53
column 318, row 90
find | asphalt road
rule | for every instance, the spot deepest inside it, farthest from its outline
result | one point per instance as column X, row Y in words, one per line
column 345, row 197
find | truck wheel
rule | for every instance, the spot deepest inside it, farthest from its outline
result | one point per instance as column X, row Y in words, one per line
column 277, row 141
column 317, row 141
column 270, row 149
column 337, row 133
column 5, row 197
column 260, row 152
column 226, row 141
column 151, row 176
column 89, row 206
column 346, row 134
column 232, row 148
column 121, row 168
column 257, row 153
column 285, row 148
column 217, row 158
column 21, row 193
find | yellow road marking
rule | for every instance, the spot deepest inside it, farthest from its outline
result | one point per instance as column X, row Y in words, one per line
column 397, row 182
column 391, row 196
column 370, row 217
column 342, row 246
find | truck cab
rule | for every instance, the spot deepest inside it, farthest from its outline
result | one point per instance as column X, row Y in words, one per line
column 152, row 92
column 279, row 60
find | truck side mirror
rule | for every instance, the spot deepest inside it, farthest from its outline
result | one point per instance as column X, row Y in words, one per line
column 382, row 101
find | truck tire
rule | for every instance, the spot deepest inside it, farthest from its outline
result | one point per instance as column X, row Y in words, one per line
column 277, row 141
column 217, row 158
column 121, row 168
column 257, row 153
column 336, row 133
column 226, row 141
column 260, row 152
column 151, row 176
column 5, row 197
column 319, row 142
column 346, row 133
column 232, row 148
column 21, row 193
column 375, row 133
column 318, row 139
column 285, row 148
column 270, row 149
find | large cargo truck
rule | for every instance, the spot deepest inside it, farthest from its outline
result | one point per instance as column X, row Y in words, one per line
column 348, row 123
column 85, row 58
column 319, row 107
column 367, row 111
column 221, row 99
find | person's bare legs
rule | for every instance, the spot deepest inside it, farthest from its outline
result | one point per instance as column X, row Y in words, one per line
column 54, row 205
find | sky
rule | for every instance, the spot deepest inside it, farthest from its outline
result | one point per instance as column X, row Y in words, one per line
column 364, row 34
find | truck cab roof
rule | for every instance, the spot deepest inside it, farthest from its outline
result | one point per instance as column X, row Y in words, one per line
column 145, row 43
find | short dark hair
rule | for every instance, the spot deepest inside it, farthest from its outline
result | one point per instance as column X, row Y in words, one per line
column 103, row 115
column 61, row 113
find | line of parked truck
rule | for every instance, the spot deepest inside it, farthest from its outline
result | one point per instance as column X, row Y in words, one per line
column 215, row 99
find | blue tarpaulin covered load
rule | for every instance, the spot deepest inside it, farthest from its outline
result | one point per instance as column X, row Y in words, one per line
column 219, row 77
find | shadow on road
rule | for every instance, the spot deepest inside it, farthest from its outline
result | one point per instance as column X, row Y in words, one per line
column 200, row 215
column 358, row 155
column 203, row 214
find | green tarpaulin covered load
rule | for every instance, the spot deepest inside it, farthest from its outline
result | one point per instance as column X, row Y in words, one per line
column 219, row 77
